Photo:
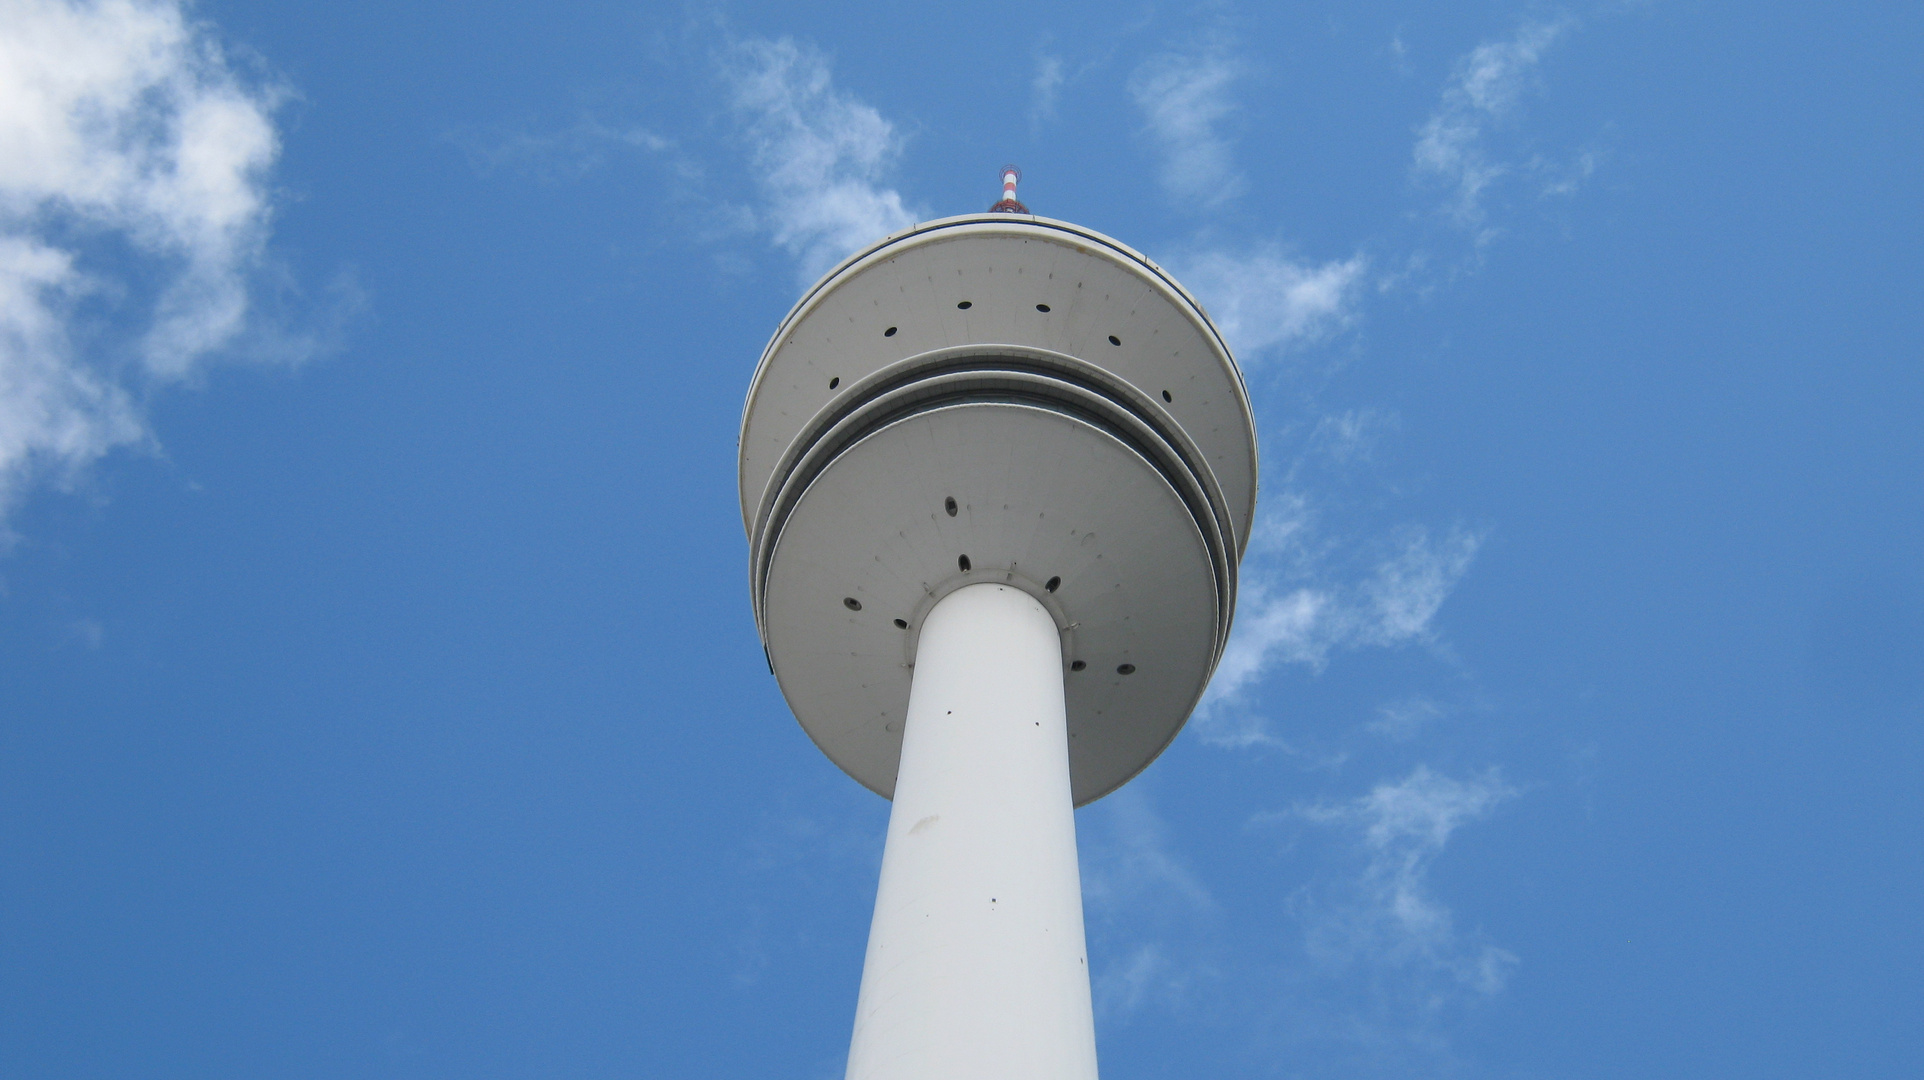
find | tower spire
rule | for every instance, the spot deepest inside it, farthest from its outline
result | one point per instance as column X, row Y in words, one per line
column 1009, row 205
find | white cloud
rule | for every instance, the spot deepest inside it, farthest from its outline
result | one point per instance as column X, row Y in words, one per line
column 1292, row 626
column 819, row 154
column 1044, row 88
column 1385, row 915
column 1351, row 436
column 133, row 204
column 1184, row 98
column 1403, row 595
column 1296, row 610
column 1483, row 91
column 1265, row 302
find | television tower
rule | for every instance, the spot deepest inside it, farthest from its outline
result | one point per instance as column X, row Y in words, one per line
column 997, row 473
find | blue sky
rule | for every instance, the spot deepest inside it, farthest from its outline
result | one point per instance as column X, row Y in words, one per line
column 379, row 695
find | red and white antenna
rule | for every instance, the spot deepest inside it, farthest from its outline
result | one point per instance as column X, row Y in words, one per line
column 1009, row 205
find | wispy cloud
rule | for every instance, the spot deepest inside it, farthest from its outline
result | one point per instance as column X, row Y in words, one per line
column 1351, row 436
column 1144, row 904
column 1297, row 609
column 1044, row 88
column 1385, row 915
column 819, row 154
column 134, row 211
column 815, row 158
column 1266, row 303
column 1483, row 92
column 1185, row 97
column 1403, row 595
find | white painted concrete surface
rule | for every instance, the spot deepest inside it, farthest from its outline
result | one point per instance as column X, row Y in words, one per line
column 977, row 965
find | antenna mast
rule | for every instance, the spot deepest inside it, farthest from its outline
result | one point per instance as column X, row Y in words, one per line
column 1009, row 204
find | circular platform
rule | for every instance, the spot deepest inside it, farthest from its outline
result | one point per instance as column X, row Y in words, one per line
column 997, row 398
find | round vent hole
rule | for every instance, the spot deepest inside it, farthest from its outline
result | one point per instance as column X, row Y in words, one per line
column 1054, row 584
column 1125, row 669
column 851, row 603
column 1078, row 665
column 837, row 381
column 1044, row 308
column 1114, row 340
column 901, row 624
column 890, row 332
column 949, row 505
column 963, row 562
column 965, row 305
column 1166, row 397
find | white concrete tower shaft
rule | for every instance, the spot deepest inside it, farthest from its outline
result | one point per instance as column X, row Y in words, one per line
column 976, row 963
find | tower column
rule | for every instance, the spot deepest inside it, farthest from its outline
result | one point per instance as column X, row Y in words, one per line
column 977, row 964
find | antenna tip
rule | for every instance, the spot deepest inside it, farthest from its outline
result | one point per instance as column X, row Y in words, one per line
column 1009, row 205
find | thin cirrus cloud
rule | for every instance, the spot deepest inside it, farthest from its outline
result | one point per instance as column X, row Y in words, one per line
column 1266, row 303
column 121, row 126
column 1296, row 610
column 1185, row 97
column 819, row 155
column 817, row 158
column 1044, row 88
column 1384, row 914
column 1484, row 91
